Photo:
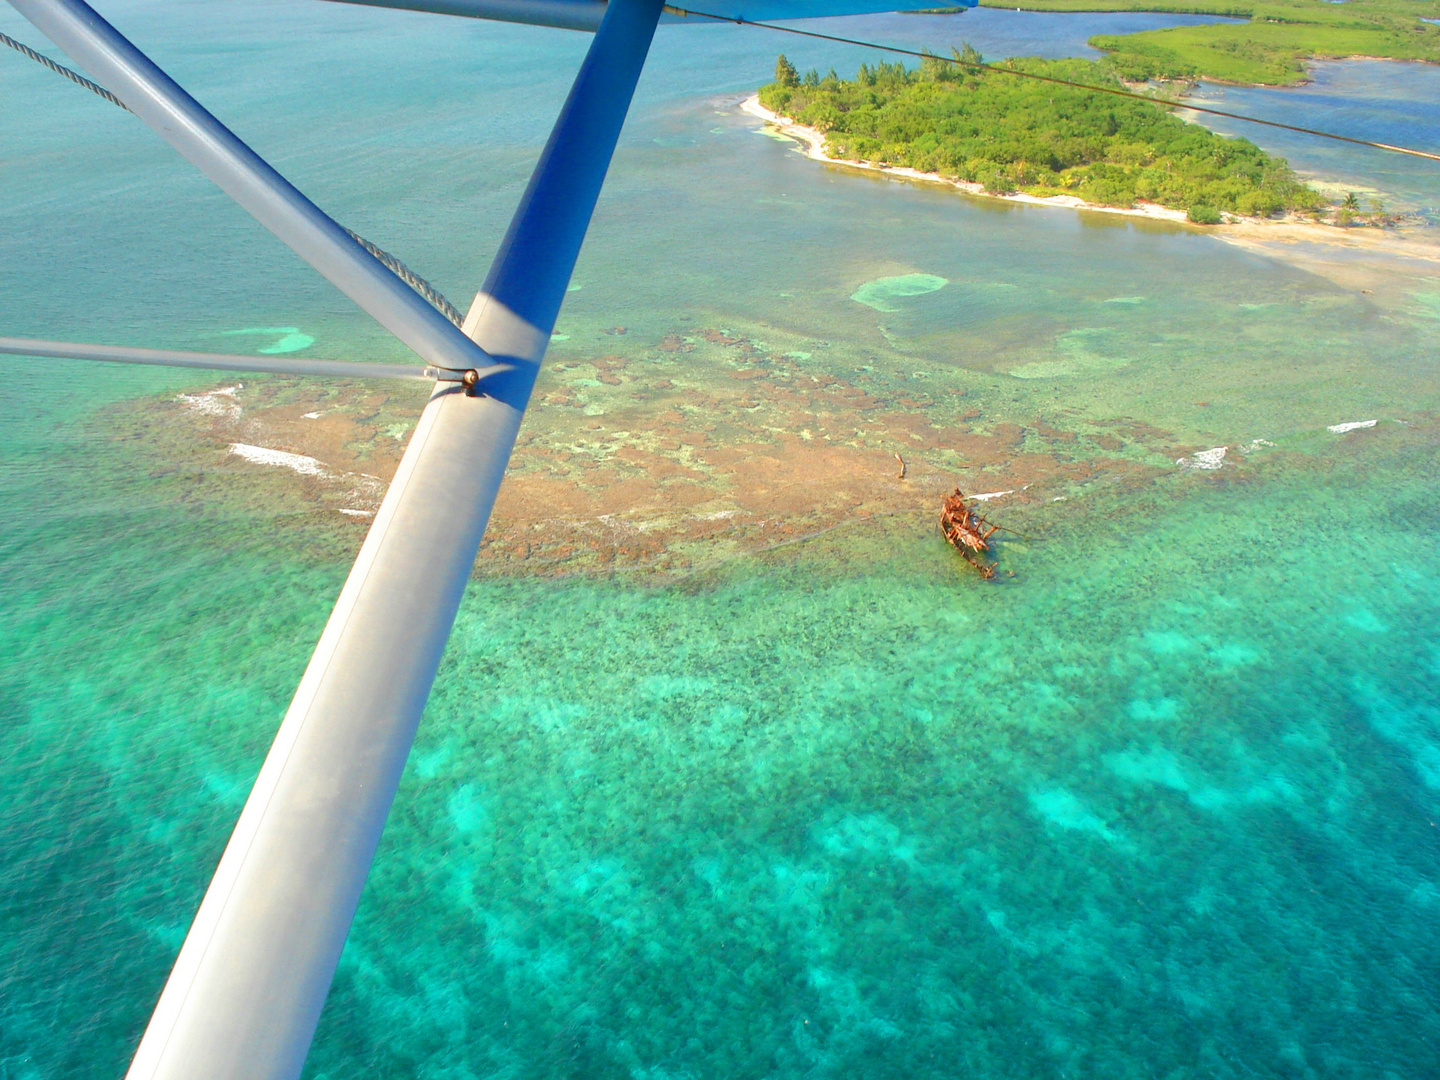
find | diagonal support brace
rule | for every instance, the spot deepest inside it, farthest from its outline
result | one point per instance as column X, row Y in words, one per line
column 258, row 365
column 251, row 181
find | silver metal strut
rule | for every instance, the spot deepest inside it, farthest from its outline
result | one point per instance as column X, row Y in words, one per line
column 251, row 181
column 247, row 988
column 259, row 365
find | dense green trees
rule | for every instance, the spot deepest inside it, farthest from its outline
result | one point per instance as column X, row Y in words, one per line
column 1014, row 134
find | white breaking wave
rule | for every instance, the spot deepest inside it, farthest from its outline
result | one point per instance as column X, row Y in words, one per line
column 263, row 455
column 1204, row 459
column 1350, row 425
column 214, row 403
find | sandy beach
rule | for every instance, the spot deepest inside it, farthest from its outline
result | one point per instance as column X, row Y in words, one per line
column 813, row 141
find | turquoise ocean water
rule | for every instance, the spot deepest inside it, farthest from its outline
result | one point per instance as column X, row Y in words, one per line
column 1164, row 806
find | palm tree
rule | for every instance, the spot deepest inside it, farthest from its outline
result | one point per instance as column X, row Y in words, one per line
column 785, row 73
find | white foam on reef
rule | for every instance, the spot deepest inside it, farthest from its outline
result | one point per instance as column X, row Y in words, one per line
column 263, row 455
column 1350, row 425
column 1208, row 460
column 991, row 495
column 214, row 402
column 357, row 513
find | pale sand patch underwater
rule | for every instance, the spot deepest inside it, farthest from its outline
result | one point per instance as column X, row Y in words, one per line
column 1390, row 264
column 882, row 293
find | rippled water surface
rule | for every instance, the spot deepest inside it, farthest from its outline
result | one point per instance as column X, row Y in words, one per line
column 1162, row 804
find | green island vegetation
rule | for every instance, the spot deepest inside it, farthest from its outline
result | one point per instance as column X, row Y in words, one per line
column 1012, row 134
column 1270, row 48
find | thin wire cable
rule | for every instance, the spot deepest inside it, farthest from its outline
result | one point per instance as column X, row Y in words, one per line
column 414, row 280
column 1112, row 90
column 435, row 297
column 60, row 69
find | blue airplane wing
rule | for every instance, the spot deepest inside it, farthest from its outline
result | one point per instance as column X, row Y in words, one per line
column 770, row 10
column 586, row 14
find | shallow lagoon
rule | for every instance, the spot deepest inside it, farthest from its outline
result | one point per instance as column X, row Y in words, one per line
column 1384, row 101
column 1161, row 805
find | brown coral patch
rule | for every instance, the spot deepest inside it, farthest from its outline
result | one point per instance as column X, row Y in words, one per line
column 654, row 462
